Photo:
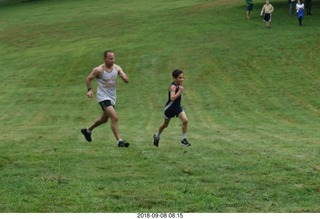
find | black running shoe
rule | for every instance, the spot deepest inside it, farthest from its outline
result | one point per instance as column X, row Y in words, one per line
column 185, row 142
column 86, row 135
column 123, row 144
column 155, row 140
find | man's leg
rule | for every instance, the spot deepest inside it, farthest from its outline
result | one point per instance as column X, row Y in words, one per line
column 112, row 114
column 103, row 119
column 87, row 131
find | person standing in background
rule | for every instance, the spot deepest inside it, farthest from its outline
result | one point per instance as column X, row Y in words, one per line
column 308, row 6
column 249, row 7
column 300, row 11
column 266, row 13
column 292, row 5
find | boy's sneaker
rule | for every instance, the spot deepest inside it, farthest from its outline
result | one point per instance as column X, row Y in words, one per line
column 155, row 140
column 123, row 144
column 185, row 142
column 86, row 135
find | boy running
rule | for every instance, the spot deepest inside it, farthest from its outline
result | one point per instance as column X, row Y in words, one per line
column 174, row 109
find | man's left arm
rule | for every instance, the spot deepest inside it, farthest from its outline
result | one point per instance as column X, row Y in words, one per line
column 121, row 73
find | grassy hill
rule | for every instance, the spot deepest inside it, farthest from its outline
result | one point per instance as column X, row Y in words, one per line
column 251, row 95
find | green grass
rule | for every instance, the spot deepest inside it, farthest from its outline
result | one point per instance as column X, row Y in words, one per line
column 251, row 95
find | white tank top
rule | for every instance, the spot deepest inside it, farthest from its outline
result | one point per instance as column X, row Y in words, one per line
column 107, row 86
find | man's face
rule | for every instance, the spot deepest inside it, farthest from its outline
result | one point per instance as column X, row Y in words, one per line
column 109, row 59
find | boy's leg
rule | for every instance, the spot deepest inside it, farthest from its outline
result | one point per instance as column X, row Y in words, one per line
column 184, row 119
column 156, row 136
column 164, row 125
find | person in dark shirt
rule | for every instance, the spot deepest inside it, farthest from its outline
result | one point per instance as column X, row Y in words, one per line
column 173, row 108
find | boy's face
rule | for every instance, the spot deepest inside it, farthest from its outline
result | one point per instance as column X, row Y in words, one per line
column 179, row 79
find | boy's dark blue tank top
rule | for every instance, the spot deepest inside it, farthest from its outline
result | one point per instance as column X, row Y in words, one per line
column 177, row 101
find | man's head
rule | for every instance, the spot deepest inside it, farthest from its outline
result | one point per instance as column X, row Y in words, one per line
column 109, row 57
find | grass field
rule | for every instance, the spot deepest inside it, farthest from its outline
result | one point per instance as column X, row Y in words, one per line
column 252, row 96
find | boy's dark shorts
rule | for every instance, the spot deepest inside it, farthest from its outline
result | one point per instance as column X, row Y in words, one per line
column 105, row 103
column 172, row 112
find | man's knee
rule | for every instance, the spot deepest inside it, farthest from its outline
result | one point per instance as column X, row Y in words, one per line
column 114, row 119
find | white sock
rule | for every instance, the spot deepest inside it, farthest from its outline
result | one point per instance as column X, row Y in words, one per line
column 88, row 131
column 184, row 136
column 157, row 135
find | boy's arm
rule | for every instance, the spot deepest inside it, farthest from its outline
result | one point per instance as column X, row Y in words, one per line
column 173, row 94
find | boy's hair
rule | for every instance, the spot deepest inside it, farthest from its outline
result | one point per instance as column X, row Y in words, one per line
column 105, row 53
column 176, row 73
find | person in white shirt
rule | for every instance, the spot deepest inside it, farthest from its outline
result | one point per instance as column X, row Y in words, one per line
column 266, row 13
column 300, row 11
column 106, row 75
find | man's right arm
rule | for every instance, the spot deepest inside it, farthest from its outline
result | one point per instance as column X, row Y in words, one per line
column 94, row 74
